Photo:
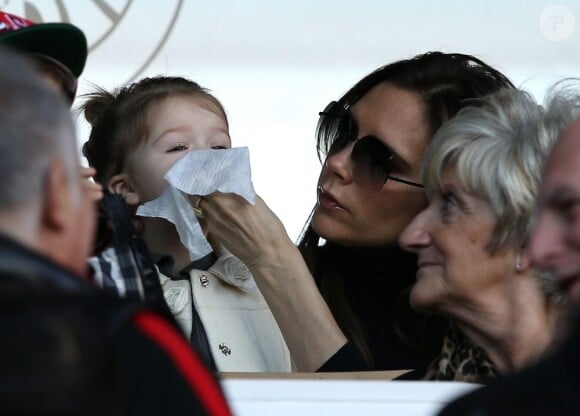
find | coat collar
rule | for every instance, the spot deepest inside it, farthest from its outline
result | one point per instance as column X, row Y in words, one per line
column 19, row 261
column 226, row 267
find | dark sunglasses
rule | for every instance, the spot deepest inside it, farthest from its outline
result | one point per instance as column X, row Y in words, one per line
column 371, row 161
column 58, row 72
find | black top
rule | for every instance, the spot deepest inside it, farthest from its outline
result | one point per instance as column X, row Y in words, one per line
column 376, row 284
column 69, row 348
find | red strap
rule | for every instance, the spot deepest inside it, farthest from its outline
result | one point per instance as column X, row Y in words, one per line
column 186, row 361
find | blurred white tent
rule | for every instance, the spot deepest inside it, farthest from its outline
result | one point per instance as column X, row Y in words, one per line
column 274, row 64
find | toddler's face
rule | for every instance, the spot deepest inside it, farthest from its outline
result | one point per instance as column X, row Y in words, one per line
column 178, row 126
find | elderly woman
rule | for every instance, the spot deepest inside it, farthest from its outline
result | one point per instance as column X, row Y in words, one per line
column 481, row 174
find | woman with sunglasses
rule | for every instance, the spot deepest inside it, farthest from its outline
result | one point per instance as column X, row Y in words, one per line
column 341, row 297
column 481, row 174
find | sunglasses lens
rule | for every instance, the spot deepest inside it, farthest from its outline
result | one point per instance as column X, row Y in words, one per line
column 370, row 163
column 336, row 127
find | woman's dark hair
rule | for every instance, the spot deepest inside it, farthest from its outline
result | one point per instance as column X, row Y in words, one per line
column 120, row 119
column 446, row 83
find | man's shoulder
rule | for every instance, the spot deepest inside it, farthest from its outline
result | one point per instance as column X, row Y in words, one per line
column 34, row 269
column 25, row 300
column 150, row 367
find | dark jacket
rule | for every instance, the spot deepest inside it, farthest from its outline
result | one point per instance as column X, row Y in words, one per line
column 550, row 387
column 68, row 348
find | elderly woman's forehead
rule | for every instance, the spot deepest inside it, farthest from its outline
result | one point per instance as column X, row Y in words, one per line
column 447, row 176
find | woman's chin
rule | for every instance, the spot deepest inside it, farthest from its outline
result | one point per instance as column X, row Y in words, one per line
column 344, row 234
column 421, row 299
column 329, row 230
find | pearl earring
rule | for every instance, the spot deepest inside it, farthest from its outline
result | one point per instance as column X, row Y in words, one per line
column 518, row 265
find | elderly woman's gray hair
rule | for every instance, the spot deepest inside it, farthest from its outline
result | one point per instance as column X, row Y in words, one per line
column 497, row 148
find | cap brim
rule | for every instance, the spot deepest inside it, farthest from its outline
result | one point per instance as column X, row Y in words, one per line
column 61, row 41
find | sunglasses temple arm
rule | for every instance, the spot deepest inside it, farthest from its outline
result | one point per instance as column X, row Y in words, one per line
column 393, row 178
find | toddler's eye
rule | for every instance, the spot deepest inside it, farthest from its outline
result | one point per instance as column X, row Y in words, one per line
column 177, row 148
column 219, row 147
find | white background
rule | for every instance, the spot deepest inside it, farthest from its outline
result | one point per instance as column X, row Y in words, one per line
column 275, row 64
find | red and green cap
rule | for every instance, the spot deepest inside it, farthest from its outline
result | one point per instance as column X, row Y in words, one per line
column 62, row 42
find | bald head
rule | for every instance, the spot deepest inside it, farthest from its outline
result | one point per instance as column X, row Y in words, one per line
column 566, row 153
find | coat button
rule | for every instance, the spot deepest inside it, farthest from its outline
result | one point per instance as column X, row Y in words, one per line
column 203, row 280
column 225, row 349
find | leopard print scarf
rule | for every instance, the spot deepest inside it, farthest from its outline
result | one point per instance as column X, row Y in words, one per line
column 461, row 360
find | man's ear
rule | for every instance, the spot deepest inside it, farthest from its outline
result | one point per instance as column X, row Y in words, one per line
column 120, row 184
column 57, row 203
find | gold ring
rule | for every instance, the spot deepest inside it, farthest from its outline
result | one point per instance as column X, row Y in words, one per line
column 197, row 210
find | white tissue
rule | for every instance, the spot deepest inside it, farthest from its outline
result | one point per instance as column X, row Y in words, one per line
column 204, row 172
column 200, row 172
column 175, row 208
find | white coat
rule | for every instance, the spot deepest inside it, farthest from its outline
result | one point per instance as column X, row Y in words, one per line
column 242, row 333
